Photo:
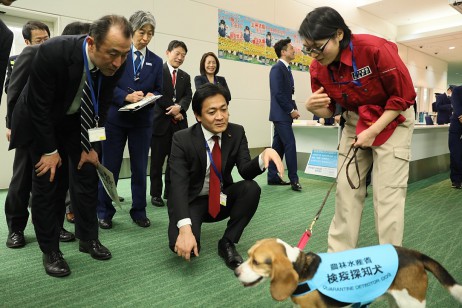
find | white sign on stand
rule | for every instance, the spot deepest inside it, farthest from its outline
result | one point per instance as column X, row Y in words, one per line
column 322, row 163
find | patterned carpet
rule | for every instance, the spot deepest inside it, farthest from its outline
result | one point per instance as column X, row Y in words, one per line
column 144, row 273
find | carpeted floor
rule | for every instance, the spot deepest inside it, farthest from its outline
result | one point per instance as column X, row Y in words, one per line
column 144, row 273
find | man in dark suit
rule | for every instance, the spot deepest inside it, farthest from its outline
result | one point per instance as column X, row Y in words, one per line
column 34, row 33
column 202, row 188
column 6, row 40
column 142, row 76
column 282, row 112
column 444, row 107
column 169, row 117
column 58, row 117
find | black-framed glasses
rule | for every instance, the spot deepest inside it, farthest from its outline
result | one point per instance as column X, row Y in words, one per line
column 315, row 50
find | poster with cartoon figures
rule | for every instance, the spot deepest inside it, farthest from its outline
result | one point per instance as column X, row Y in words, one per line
column 245, row 39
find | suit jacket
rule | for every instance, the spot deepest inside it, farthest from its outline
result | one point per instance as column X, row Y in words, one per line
column 6, row 40
column 444, row 108
column 9, row 69
column 202, row 79
column 56, row 73
column 281, row 94
column 162, row 121
column 150, row 81
column 17, row 80
column 188, row 163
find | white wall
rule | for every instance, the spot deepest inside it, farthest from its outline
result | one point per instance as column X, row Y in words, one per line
column 195, row 22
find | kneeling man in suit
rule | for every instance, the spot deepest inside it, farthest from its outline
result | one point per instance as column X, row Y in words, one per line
column 202, row 188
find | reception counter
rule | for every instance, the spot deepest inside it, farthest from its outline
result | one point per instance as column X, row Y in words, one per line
column 429, row 147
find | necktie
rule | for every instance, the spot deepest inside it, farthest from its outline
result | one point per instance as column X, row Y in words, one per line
column 137, row 63
column 214, row 184
column 86, row 113
column 174, row 78
column 291, row 79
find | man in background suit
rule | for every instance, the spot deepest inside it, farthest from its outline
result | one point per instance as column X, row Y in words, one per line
column 6, row 40
column 142, row 77
column 282, row 112
column 34, row 33
column 52, row 123
column 169, row 117
column 195, row 189
column 444, row 107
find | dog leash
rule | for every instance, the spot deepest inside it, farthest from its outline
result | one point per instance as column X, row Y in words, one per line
column 308, row 232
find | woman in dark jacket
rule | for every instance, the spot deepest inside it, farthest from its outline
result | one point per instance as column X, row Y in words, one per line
column 209, row 68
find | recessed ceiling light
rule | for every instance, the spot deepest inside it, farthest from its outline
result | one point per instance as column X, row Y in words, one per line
column 452, row 47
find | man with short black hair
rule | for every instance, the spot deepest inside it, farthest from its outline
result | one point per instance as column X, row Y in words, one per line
column 34, row 33
column 202, row 188
column 70, row 86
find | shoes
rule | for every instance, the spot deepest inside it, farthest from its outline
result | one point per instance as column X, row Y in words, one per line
column 66, row 236
column 55, row 265
column 105, row 223
column 143, row 222
column 278, row 182
column 296, row 186
column 228, row 252
column 95, row 249
column 121, row 199
column 456, row 185
column 157, row 201
column 70, row 217
column 16, row 239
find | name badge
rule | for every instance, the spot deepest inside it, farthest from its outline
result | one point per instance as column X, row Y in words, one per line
column 223, row 198
column 97, row 134
column 148, row 63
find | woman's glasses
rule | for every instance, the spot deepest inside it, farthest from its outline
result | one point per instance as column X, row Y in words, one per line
column 316, row 51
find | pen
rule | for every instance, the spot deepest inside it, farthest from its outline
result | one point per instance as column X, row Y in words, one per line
column 130, row 89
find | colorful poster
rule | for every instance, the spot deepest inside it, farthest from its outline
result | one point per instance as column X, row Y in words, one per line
column 245, row 39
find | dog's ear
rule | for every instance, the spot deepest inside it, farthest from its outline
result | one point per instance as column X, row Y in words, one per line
column 284, row 278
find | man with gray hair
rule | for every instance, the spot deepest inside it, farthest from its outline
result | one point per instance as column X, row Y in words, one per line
column 141, row 77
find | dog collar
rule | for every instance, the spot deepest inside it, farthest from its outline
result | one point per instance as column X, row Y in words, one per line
column 302, row 289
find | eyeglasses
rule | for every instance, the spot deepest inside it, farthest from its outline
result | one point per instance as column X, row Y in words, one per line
column 316, row 51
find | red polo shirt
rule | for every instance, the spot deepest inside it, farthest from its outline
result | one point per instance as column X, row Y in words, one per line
column 381, row 76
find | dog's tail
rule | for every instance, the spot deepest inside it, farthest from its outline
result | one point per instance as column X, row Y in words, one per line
column 443, row 276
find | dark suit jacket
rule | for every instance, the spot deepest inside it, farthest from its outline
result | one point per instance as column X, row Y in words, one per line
column 56, row 73
column 150, row 81
column 444, row 108
column 281, row 94
column 202, row 79
column 188, row 164
column 17, row 80
column 6, row 40
column 9, row 69
column 162, row 121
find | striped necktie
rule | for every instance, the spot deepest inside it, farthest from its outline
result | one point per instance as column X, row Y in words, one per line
column 86, row 114
column 137, row 63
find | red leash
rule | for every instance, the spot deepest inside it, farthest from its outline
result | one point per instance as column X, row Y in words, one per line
column 307, row 234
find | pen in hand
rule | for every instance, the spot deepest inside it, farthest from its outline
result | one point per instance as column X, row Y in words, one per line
column 130, row 89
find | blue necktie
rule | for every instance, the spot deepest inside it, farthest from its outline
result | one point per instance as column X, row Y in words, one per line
column 137, row 63
column 291, row 79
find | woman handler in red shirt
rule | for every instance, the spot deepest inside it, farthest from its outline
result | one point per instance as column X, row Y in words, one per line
column 365, row 75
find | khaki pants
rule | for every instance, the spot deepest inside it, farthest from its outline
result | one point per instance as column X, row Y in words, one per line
column 389, row 176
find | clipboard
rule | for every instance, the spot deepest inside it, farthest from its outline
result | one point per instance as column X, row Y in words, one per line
column 142, row 103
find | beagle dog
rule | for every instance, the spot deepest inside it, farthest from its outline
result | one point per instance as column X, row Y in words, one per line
column 292, row 272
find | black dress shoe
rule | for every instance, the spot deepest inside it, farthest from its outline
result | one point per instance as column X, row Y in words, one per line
column 296, row 186
column 143, row 222
column 15, row 239
column 105, row 223
column 278, row 182
column 95, row 249
column 157, row 201
column 228, row 252
column 456, row 185
column 55, row 265
column 66, row 236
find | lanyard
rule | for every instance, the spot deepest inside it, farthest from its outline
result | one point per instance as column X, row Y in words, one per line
column 213, row 164
column 356, row 82
column 94, row 98
column 136, row 70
